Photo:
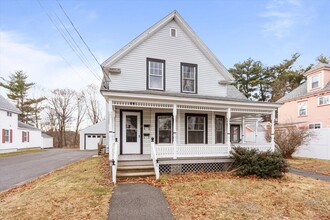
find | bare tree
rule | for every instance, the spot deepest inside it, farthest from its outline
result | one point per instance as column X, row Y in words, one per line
column 80, row 113
column 94, row 107
column 61, row 105
column 289, row 139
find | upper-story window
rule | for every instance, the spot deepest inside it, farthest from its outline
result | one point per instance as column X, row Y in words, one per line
column 173, row 32
column 188, row 78
column 155, row 74
column 9, row 114
column 315, row 82
column 302, row 108
column 324, row 100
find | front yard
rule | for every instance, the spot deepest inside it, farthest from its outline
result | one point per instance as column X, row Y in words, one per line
column 21, row 152
column 223, row 196
column 309, row 164
column 78, row 191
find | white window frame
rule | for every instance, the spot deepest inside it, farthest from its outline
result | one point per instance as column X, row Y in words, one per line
column 25, row 136
column 318, row 81
column 7, row 135
column 195, row 77
column 162, row 62
column 327, row 97
column 314, row 124
column 9, row 114
column 175, row 30
column 299, row 104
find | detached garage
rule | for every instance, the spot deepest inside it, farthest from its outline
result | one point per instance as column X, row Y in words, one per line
column 90, row 136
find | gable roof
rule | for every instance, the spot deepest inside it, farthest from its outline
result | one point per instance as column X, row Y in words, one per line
column 301, row 91
column 44, row 135
column 7, row 106
column 27, row 127
column 159, row 25
column 317, row 66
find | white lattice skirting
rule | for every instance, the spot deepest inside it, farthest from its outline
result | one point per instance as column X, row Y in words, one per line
column 193, row 167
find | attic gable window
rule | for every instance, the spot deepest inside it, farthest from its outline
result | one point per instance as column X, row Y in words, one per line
column 188, row 78
column 173, row 32
column 155, row 74
column 315, row 81
column 9, row 114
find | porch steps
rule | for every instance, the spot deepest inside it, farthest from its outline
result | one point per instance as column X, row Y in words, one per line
column 134, row 163
column 135, row 171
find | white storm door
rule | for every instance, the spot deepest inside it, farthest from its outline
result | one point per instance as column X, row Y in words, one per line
column 131, row 133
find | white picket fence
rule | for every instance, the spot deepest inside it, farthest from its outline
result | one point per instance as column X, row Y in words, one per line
column 318, row 147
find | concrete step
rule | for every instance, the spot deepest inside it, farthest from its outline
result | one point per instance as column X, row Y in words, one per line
column 135, row 174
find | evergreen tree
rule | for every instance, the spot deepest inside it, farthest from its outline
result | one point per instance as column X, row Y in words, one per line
column 18, row 87
column 322, row 59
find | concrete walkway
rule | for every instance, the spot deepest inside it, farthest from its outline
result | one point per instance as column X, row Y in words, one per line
column 139, row 202
column 310, row 174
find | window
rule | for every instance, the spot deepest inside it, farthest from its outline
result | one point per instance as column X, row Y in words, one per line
column 314, row 126
column 164, row 128
column 302, row 108
column 7, row 135
column 9, row 114
column 219, row 129
column 315, row 81
column 196, row 129
column 25, row 136
column 324, row 100
column 173, row 32
column 188, row 78
column 155, row 74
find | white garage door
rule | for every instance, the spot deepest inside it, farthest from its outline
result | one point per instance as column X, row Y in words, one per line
column 92, row 140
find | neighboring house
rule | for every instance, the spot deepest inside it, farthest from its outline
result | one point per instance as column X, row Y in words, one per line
column 90, row 136
column 170, row 99
column 47, row 141
column 16, row 135
column 309, row 104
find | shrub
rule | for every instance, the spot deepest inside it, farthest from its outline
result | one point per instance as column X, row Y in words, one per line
column 289, row 139
column 263, row 164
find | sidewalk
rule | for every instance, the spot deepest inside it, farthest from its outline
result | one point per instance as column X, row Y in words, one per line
column 138, row 201
column 310, row 174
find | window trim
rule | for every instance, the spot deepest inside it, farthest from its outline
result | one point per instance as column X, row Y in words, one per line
column 9, row 114
column 318, row 82
column 148, row 76
column 176, row 32
column 320, row 123
column 156, row 126
column 206, row 126
column 5, row 139
column 215, row 130
column 318, row 100
column 299, row 109
column 196, row 77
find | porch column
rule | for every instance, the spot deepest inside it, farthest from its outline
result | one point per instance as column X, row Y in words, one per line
column 228, row 116
column 256, row 131
column 174, row 130
column 273, row 131
column 109, row 126
column 243, row 129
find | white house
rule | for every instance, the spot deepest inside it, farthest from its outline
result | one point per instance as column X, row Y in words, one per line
column 170, row 103
column 16, row 135
column 90, row 136
column 47, row 141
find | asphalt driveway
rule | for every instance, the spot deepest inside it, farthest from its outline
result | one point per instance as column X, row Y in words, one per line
column 15, row 170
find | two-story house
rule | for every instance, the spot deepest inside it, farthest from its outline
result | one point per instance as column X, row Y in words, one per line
column 169, row 99
column 16, row 135
column 309, row 104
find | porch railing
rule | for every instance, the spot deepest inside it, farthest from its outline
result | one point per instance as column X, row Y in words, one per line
column 154, row 158
column 259, row 146
column 115, row 154
column 167, row 151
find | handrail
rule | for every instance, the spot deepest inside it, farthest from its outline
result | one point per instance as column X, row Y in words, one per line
column 115, row 161
column 154, row 158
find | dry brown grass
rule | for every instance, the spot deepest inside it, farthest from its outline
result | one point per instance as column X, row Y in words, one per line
column 78, row 191
column 223, row 196
column 309, row 164
column 21, row 152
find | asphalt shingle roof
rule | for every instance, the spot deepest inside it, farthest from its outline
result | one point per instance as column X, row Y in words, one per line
column 26, row 126
column 7, row 106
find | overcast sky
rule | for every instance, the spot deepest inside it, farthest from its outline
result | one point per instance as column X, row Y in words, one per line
column 269, row 31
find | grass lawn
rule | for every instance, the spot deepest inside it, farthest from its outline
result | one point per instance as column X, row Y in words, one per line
column 309, row 164
column 21, row 152
column 78, row 191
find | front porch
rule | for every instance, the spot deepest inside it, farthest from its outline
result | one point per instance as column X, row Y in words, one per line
column 183, row 133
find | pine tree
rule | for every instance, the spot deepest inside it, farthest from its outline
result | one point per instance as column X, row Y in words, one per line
column 18, row 87
column 322, row 59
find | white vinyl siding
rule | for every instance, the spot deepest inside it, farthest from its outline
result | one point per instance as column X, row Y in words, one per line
column 173, row 50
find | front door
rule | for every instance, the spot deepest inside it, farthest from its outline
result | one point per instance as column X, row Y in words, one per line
column 234, row 133
column 131, row 124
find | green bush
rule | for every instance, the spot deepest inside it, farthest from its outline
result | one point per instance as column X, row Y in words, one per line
column 263, row 164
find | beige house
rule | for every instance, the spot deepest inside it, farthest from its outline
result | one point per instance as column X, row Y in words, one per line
column 170, row 105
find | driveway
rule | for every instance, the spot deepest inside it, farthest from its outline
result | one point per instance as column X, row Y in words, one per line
column 15, row 170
